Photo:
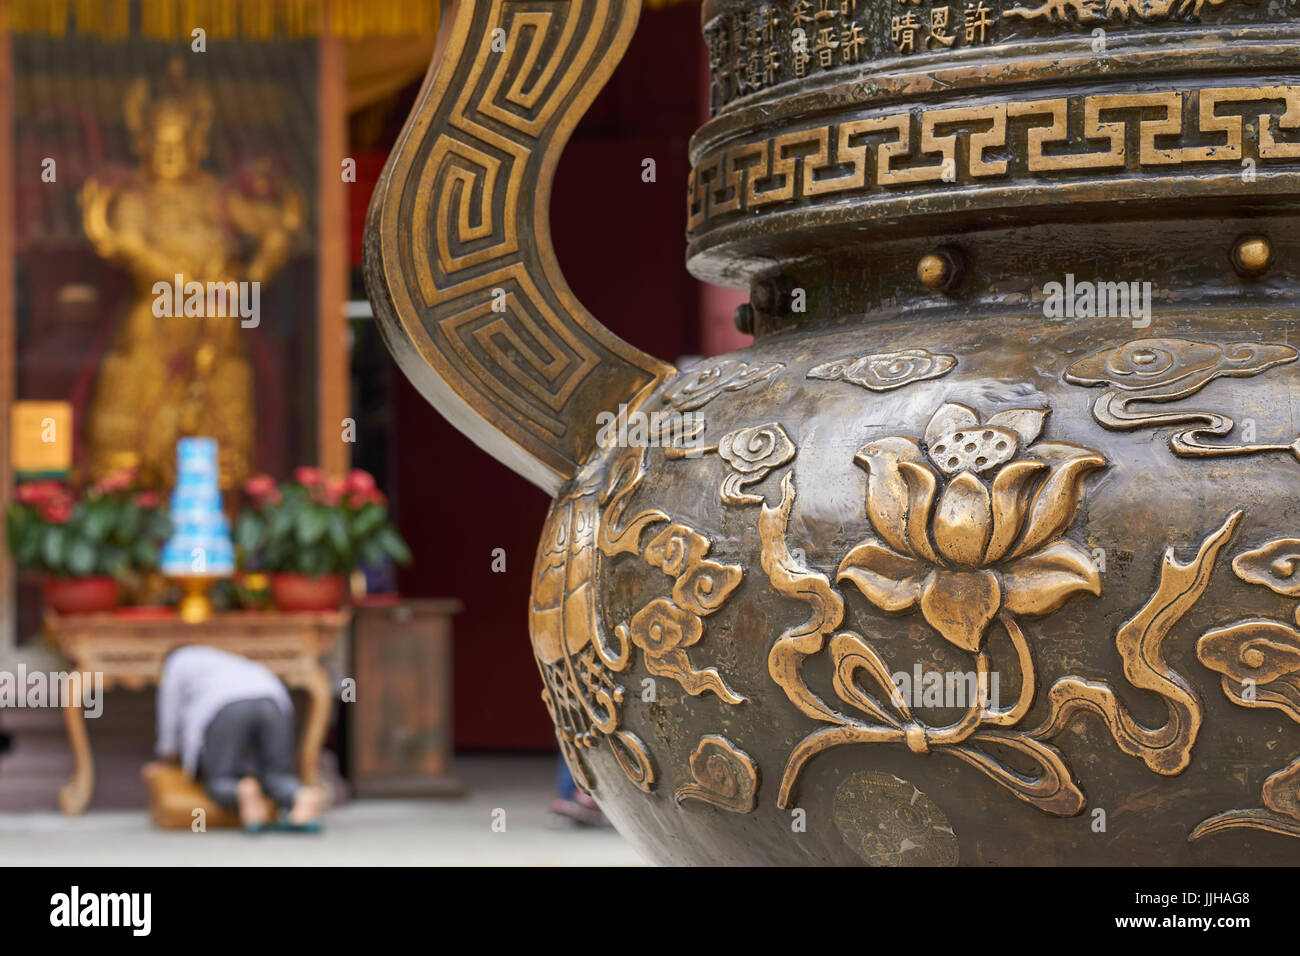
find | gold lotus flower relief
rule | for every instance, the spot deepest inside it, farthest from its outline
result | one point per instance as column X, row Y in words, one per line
column 969, row 527
column 971, row 524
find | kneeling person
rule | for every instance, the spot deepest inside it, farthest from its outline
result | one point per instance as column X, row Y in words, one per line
column 230, row 721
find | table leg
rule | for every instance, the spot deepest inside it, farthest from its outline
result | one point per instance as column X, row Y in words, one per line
column 75, row 794
column 318, row 716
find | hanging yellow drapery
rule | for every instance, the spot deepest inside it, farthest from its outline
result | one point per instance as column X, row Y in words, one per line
column 389, row 41
column 222, row 19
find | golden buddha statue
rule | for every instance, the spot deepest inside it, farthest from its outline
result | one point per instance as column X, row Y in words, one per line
column 172, row 373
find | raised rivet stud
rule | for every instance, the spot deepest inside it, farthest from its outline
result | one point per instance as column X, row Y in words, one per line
column 744, row 319
column 765, row 296
column 771, row 296
column 1252, row 255
column 939, row 270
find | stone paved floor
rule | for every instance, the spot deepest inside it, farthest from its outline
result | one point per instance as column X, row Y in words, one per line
column 364, row 832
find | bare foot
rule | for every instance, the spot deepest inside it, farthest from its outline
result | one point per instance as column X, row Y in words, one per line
column 308, row 803
column 254, row 809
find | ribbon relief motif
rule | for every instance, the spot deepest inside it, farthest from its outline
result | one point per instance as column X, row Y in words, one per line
column 969, row 529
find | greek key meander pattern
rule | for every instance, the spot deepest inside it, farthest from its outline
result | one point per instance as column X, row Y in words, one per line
column 1174, row 128
column 527, row 357
column 512, row 341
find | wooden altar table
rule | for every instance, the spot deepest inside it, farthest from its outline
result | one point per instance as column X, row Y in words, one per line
column 129, row 651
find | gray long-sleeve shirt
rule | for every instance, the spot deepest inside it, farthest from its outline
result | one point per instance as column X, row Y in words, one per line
column 196, row 683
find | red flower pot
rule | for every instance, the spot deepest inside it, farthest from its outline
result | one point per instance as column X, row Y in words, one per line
column 88, row 595
column 303, row 592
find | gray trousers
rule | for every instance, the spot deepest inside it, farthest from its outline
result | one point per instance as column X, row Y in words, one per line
column 249, row 738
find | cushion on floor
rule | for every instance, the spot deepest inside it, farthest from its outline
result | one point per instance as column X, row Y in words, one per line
column 174, row 796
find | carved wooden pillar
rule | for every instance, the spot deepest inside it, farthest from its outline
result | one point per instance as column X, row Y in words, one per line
column 333, row 382
column 8, row 345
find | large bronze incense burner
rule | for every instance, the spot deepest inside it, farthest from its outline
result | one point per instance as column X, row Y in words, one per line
column 987, row 550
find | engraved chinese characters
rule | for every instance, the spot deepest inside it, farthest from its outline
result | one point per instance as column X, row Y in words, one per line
column 758, row 45
column 750, row 50
column 753, row 49
column 941, row 26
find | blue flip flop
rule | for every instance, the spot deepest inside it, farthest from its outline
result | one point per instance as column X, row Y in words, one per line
column 284, row 826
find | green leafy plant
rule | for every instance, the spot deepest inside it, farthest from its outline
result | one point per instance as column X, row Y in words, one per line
column 110, row 529
column 315, row 525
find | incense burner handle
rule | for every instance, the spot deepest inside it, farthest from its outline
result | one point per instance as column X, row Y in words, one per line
column 460, row 268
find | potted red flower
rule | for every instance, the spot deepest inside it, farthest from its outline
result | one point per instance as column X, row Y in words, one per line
column 310, row 533
column 83, row 545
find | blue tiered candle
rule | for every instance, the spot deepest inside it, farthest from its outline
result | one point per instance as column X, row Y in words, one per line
column 200, row 547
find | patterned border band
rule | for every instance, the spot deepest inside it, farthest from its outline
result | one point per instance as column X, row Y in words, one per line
column 1244, row 132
